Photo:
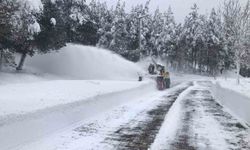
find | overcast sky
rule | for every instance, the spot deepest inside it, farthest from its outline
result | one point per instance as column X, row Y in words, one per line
column 180, row 7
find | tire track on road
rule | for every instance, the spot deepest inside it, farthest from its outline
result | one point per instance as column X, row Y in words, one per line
column 140, row 134
column 203, row 118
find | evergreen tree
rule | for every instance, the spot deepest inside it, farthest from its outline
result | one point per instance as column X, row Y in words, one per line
column 170, row 37
column 119, row 30
column 52, row 35
column 178, row 56
column 25, row 30
column 214, row 42
column 157, row 34
column 103, row 18
column 84, row 29
column 132, row 23
column 237, row 27
column 146, row 30
column 193, row 33
column 7, row 10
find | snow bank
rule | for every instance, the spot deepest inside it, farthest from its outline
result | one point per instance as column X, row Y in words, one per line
column 237, row 103
column 100, row 97
column 231, row 84
column 84, row 62
column 13, row 77
column 19, row 99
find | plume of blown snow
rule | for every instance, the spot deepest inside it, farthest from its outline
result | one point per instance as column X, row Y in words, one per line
column 85, row 62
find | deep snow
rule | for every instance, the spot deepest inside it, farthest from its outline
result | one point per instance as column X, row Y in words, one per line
column 19, row 99
column 235, row 100
column 21, row 129
column 230, row 83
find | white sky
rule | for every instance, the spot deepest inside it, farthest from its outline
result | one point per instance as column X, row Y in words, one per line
column 180, row 7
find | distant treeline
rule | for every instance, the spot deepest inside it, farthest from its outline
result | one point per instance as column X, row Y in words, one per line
column 202, row 44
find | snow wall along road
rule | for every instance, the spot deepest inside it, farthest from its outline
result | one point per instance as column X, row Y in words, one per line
column 84, row 63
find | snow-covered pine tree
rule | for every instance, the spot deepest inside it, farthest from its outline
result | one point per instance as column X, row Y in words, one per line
column 133, row 34
column 7, row 10
column 76, row 21
column 146, row 30
column 103, row 18
column 52, row 35
column 84, row 28
column 25, row 30
column 156, row 36
column 201, row 48
column 193, row 33
column 237, row 27
column 180, row 50
column 214, row 43
column 119, row 29
column 169, row 38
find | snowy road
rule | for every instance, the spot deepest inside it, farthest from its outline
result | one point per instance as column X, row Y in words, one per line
column 205, row 125
column 184, row 117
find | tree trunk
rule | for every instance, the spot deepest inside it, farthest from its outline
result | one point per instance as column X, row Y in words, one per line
column 238, row 71
column 21, row 63
column 1, row 60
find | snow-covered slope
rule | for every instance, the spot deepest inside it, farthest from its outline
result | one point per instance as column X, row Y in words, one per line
column 84, row 62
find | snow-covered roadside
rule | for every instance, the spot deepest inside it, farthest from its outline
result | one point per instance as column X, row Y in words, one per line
column 25, row 98
column 92, row 132
column 199, row 122
column 237, row 103
column 51, row 94
column 100, row 96
column 48, row 81
column 13, row 77
column 235, row 98
column 230, row 83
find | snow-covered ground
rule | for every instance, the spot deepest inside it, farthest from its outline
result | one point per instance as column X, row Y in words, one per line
column 59, row 89
column 66, row 104
column 197, row 121
column 91, row 132
column 193, row 120
column 231, row 84
column 19, row 99
column 234, row 97
column 48, row 81
column 85, row 90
